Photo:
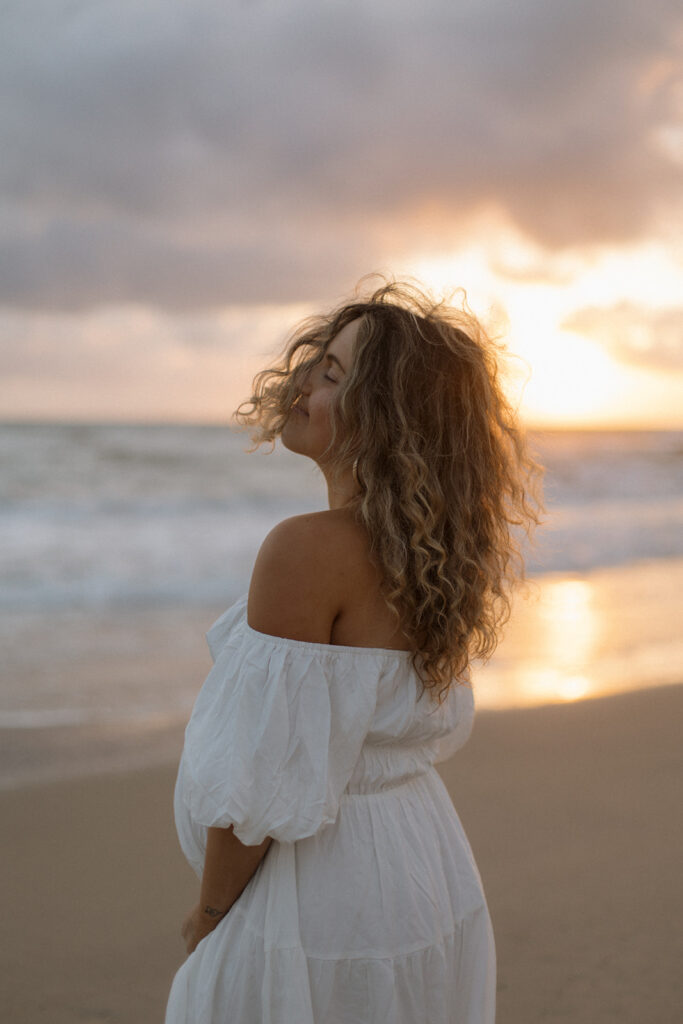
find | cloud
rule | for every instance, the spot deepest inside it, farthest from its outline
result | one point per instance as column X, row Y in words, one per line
column 197, row 153
column 77, row 263
column 136, row 362
column 634, row 334
column 108, row 340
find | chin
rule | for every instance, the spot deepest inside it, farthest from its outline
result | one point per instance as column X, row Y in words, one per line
column 289, row 439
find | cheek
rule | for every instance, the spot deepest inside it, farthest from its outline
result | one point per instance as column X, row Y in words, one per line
column 320, row 411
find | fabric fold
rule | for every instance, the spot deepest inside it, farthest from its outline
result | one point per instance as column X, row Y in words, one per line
column 368, row 904
column 273, row 737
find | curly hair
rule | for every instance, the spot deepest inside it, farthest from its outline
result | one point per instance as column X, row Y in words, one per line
column 447, row 477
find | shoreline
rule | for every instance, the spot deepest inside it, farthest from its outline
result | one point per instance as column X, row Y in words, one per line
column 569, row 811
column 34, row 757
column 92, row 689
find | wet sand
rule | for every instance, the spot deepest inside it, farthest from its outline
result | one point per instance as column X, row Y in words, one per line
column 572, row 811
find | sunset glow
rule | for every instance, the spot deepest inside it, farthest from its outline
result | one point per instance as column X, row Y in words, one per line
column 603, row 375
column 157, row 252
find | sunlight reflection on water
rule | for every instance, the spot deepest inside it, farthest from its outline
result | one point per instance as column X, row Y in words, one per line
column 571, row 638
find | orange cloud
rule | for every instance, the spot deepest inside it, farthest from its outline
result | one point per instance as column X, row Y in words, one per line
column 634, row 333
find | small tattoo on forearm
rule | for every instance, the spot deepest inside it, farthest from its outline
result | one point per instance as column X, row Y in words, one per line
column 212, row 912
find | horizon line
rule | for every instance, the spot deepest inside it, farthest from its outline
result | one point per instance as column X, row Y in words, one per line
column 535, row 426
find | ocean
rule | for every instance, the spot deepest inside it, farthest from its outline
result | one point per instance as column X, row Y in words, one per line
column 120, row 545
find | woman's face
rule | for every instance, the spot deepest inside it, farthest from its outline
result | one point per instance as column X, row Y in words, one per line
column 308, row 429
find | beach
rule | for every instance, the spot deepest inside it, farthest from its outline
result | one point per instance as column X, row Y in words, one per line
column 570, row 810
column 125, row 543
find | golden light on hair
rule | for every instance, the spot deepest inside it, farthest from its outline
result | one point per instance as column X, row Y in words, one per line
column 446, row 469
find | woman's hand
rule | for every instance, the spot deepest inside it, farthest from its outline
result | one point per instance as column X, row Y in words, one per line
column 228, row 867
column 199, row 923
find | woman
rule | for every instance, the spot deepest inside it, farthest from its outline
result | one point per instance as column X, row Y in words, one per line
column 337, row 884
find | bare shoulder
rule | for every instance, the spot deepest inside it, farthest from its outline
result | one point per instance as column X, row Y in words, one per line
column 304, row 572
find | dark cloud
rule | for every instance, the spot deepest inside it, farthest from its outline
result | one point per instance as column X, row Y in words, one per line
column 113, row 261
column 635, row 334
column 197, row 153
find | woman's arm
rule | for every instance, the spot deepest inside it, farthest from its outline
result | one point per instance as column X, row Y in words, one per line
column 228, row 866
column 293, row 593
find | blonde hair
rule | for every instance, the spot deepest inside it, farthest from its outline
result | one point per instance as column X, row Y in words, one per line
column 446, row 476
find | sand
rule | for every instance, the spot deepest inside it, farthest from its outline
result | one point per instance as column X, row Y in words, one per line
column 573, row 812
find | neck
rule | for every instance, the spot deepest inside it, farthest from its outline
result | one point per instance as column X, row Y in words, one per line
column 340, row 489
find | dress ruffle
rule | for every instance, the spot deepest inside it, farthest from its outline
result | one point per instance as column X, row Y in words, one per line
column 274, row 736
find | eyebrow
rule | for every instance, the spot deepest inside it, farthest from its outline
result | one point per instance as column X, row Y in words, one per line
column 334, row 359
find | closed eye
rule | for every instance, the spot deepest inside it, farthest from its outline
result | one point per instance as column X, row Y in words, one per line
column 331, row 358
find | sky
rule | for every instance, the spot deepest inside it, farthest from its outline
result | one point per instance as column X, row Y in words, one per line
column 181, row 182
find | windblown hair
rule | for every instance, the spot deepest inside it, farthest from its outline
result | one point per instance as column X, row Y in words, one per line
column 448, row 485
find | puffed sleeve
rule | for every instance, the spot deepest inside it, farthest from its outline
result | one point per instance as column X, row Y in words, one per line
column 274, row 735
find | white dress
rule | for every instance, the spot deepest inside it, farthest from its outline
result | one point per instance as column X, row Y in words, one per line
column 368, row 907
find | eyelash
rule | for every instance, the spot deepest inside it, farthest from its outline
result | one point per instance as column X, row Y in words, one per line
column 331, row 379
